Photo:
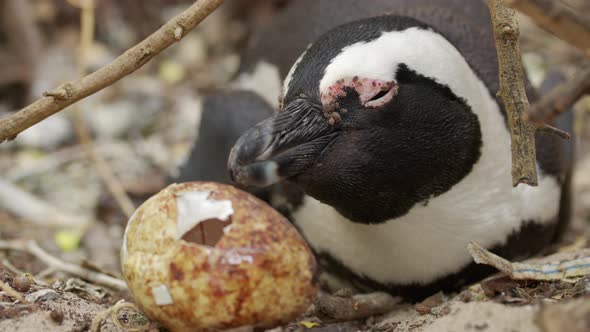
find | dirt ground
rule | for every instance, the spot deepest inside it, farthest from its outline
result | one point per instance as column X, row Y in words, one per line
column 157, row 114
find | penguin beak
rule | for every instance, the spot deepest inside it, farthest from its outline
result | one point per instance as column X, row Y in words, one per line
column 281, row 147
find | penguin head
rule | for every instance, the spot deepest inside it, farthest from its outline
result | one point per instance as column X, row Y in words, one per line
column 369, row 122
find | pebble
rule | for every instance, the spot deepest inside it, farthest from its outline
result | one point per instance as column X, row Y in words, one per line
column 22, row 283
column 57, row 315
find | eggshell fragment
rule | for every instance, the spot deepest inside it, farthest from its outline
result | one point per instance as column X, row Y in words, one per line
column 203, row 256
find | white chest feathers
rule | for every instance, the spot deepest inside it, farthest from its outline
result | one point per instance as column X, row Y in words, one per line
column 430, row 240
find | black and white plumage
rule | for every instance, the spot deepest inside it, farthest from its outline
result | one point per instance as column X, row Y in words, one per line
column 390, row 126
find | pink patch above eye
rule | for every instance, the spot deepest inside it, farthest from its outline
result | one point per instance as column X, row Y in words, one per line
column 372, row 92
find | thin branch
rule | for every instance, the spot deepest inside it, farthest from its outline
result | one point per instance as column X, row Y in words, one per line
column 553, row 131
column 341, row 309
column 53, row 160
column 87, row 18
column 33, row 248
column 122, row 66
column 561, row 98
column 513, row 93
column 559, row 19
column 27, row 206
column 12, row 292
column 105, row 171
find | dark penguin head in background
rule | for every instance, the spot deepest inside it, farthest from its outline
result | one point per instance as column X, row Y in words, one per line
column 375, row 118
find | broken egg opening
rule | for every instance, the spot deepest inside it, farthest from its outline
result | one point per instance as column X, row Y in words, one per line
column 202, row 219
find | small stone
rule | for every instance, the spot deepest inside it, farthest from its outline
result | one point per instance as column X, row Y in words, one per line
column 422, row 309
column 344, row 292
column 446, row 310
column 47, row 134
column 22, row 283
column 466, row 296
column 57, row 315
column 46, row 294
column 433, row 300
column 482, row 326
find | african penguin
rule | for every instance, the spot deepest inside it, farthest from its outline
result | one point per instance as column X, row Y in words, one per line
column 390, row 131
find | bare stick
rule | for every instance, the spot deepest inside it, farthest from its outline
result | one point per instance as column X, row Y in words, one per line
column 33, row 248
column 11, row 292
column 561, row 98
column 513, row 93
column 27, row 206
column 56, row 159
column 69, row 93
column 341, row 309
column 559, row 19
column 105, row 171
column 113, row 184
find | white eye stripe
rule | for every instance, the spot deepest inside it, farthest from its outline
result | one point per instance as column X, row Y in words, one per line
column 287, row 80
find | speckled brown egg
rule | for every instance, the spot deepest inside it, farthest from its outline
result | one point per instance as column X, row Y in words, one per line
column 204, row 256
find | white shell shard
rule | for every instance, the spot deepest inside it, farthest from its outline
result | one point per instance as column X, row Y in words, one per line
column 236, row 258
column 161, row 295
column 194, row 207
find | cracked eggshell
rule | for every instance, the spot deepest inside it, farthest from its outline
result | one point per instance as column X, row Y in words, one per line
column 203, row 256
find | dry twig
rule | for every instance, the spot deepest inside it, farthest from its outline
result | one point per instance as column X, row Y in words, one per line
column 575, row 266
column 560, row 98
column 27, row 206
column 11, row 292
column 87, row 18
column 559, row 19
column 341, row 309
column 69, row 93
column 58, row 158
column 33, row 248
column 512, row 91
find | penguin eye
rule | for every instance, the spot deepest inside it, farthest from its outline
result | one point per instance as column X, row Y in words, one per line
column 378, row 96
column 381, row 95
column 372, row 93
